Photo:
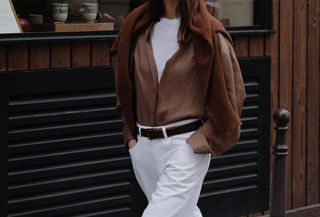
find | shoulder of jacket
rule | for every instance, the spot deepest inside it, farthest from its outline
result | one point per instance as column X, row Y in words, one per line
column 218, row 28
column 216, row 24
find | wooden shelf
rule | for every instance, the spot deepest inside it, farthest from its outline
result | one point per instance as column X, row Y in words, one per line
column 73, row 27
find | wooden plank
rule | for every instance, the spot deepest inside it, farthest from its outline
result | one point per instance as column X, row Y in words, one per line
column 81, row 54
column 256, row 45
column 272, row 49
column 18, row 57
column 60, row 55
column 100, row 53
column 313, row 99
column 299, row 103
column 3, row 58
column 285, row 82
column 39, row 56
column 319, row 96
column 241, row 46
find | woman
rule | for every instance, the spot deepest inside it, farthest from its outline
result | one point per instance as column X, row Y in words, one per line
column 180, row 94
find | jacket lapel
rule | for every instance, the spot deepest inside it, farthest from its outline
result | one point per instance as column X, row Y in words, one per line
column 135, row 22
column 151, row 59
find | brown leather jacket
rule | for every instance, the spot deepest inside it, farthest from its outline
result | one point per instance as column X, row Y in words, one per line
column 219, row 74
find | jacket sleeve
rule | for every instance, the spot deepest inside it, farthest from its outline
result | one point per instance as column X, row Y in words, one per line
column 127, row 134
column 206, row 139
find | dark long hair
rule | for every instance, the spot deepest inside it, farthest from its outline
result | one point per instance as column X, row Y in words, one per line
column 184, row 10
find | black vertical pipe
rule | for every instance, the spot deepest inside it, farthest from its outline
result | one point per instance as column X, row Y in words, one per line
column 280, row 151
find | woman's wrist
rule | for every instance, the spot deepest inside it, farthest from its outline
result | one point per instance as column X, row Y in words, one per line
column 131, row 143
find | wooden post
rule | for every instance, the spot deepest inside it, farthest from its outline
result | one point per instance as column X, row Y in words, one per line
column 280, row 152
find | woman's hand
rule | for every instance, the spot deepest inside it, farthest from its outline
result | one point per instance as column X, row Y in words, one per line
column 132, row 143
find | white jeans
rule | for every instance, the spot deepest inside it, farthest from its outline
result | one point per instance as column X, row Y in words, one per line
column 170, row 175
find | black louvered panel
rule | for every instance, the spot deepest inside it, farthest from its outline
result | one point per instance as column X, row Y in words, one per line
column 66, row 143
column 38, row 122
column 72, row 99
column 65, row 150
column 238, row 180
column 66, row 156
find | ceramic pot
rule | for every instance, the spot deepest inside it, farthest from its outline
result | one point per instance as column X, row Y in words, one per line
column 89, row 11
column 59, row 12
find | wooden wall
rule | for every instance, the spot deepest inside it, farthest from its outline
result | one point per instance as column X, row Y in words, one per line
column 54, row 55
column 297, row 68
column 295, row 85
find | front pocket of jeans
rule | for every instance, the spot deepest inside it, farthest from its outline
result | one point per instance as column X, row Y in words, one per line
column 181, row 138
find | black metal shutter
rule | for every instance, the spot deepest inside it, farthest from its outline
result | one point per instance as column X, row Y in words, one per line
column 66, row 157
column 65, row 151
column 238, row 181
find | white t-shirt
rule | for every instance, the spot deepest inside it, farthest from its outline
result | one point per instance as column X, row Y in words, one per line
column 164, row 39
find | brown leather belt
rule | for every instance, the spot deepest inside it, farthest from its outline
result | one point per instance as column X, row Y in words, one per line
column 156, row 133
